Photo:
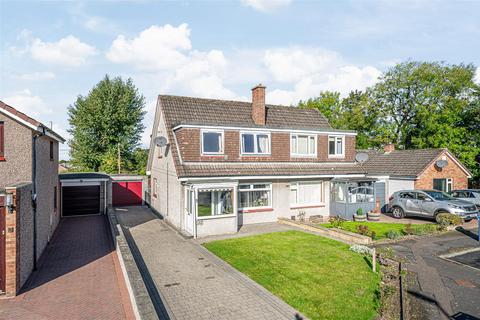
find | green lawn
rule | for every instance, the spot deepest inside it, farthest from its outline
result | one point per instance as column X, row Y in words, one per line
column 320, row 277
column 381, row 229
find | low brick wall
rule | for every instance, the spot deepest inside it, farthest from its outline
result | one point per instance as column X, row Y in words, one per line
column 141, row 302
column 342, row 235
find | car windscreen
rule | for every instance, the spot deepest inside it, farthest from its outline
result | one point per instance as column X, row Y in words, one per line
column 438, row 195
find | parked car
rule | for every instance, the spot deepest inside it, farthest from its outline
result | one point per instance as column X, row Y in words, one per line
column 429, row 203
column 470, row 195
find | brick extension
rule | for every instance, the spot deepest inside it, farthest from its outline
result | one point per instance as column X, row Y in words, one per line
column 78, row 277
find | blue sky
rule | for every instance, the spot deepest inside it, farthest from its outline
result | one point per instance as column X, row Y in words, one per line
column 53, row 51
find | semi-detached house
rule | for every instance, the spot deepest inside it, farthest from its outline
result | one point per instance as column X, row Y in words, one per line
column 229, row 163
column 215, row 165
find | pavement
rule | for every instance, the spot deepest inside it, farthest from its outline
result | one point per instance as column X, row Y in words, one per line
column 188, row 281
column 438, row 286
column 78, row 277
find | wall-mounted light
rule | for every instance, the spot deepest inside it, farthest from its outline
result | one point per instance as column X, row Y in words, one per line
column 9, row 202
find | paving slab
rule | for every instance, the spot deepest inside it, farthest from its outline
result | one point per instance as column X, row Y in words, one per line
column 191, row 282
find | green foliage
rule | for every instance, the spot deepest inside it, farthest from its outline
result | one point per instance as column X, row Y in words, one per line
column 393, row 234
column 447, row 219
column 379, row 230
column 360, row 212
column 105, row 123
column 414, row 105
column 319, row 277
column 336, row 221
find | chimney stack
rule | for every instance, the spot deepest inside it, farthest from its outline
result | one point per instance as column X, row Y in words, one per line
column 258, row 105
column 389, row 148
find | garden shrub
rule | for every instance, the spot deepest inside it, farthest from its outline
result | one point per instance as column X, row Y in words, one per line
column 447, row 219
column 363, row 230
column 358, row 248
column 337, row 221
column 360, row 212
column 393, row 234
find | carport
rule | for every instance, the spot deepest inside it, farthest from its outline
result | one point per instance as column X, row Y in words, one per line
column 83, row 194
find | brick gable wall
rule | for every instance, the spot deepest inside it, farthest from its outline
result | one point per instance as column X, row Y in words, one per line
column 189, row 145
column 452, row 170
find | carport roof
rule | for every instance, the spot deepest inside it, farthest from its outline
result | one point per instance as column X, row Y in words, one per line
column 84, row 176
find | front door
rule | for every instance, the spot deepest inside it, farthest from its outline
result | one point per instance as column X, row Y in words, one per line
column 2, row 245
column 189, row 210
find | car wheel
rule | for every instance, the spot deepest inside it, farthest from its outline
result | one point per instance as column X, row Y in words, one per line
column 397, row 212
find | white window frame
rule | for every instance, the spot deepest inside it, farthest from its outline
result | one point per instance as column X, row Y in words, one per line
column 222, row 144
column 294, row 153
column 213, row 204
column 336, row 155
column 255, row 143
column 269, row 188
column 295, row 185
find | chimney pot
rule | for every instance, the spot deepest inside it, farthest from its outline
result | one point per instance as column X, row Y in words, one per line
column 258, row 105
column 389, row 148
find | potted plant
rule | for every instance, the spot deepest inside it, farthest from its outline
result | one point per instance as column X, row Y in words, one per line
column 374, row 215
column 360, row 216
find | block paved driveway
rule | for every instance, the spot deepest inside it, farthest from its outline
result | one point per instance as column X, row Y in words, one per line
column 190, row 281
column 79, row 277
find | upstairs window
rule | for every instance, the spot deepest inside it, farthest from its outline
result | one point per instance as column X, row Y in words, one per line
column 51, row 150
column 212, row 142
column 255, row 143
column 303, row 145
column 2, row 141
column 336, row 146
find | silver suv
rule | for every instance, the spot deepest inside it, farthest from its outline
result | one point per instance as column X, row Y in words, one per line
column 429, row 203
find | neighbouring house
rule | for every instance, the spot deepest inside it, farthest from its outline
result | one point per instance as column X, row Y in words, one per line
column 215, row 165
column 29, row 206
column 435, row 169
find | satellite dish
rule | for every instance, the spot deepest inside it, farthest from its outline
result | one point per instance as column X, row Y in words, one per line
column 361, row 157
column 441, row 163
column 160, row 141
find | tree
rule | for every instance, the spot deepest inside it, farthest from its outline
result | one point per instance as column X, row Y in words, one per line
column 105, row 124
column 328, row 103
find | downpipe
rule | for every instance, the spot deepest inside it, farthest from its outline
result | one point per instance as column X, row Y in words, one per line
column 34, row 194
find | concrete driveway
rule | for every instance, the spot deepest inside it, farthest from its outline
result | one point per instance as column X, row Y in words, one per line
column 438, row 287
column 78, row 277
column 188, row 281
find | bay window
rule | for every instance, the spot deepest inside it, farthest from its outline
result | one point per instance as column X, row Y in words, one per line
column 303, row 145
column 255, row 195
column 336, row 146
column 212, row 142
column 215, row 202
column 255, row 143
column 306, row 193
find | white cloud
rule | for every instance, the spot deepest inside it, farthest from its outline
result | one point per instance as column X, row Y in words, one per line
column 35, row 76
column 311, row 70
column 68, row 51
column 30, row 104
column 266, row 5
column 158, row 47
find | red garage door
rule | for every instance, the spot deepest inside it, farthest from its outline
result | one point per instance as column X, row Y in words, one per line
column 127, row 193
